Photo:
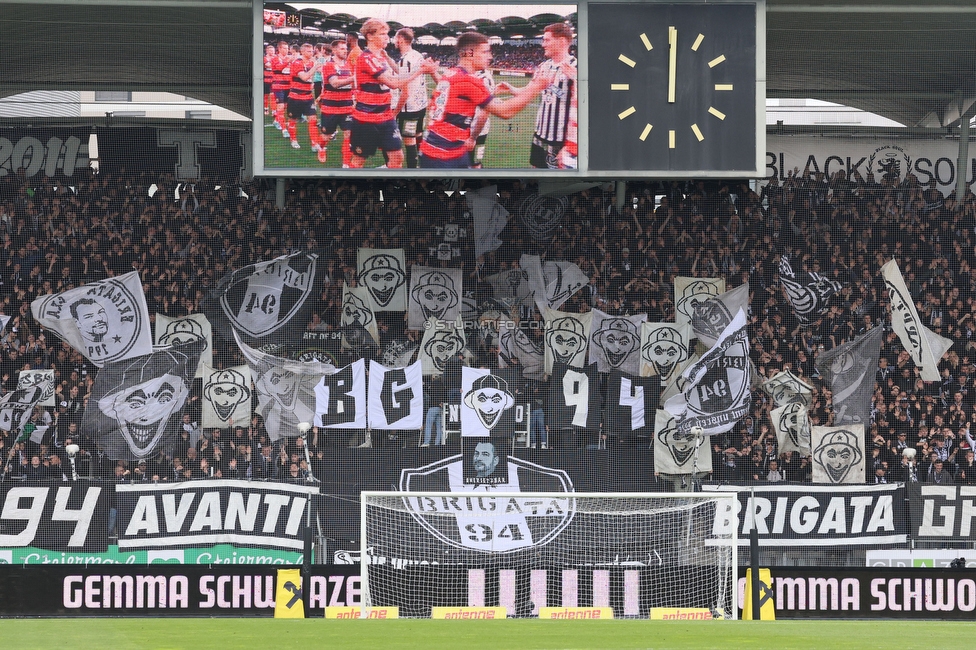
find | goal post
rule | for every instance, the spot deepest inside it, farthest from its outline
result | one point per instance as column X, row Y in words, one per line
column 525, row 551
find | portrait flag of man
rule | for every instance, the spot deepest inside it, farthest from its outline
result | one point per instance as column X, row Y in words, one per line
column 192, row 327
column 679, row 452
column 489, row 217
column 688, row 292
column 565, row 338
column 340, row 398
column 710, row 317
column 925, row 346
column 838, row 454
column 792, row 424
column 435, row 294
column 615, row 342
column 786, row 388
column 266, row 302
column 396, row 396
column 383, row 272
column 107, row 320
column 285, row 390
column 808, row 292
column 40, row 377
column 226, row 397
column 136, row 405
column 849, row 370
column 718, row 391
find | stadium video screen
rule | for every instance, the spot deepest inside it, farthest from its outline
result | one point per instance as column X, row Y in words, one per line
column 417, row 89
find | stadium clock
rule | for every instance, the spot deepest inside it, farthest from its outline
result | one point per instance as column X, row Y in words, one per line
column 673, row 87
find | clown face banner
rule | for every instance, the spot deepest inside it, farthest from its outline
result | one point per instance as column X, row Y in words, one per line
column 710, row 317
column 792, row 426
column 664, row 347
column 690, row 292
column 357, row 319
column 383, row 273
column 615, row 342
column 838, row 455
column 679, row 452
column 107, row 321
column 285, row 390
column 435, row 294
column 226, row 397
column 440, row 344
column 44, row 378
column 786, row 388
column 565, row 338
column 136, row 405
column 484, row 399
column 194, row 327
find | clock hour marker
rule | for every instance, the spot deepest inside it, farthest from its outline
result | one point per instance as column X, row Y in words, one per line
column 698, row 41
column 619, row 86
column 647, row 43
column 723, row 86
column 671, row 139
column 627, row 61
column 714, row 62
column 646, row 131
column 698, row 133
column 627, row 113
column 717, row 113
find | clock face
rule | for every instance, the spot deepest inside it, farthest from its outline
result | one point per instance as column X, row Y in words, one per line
column 672, row 87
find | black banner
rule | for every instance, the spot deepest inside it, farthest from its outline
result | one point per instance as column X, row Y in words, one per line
column 55, row 515
column 870, row 593
column 270, row 515
column 943, row 512
column 819, row 515
column 163, row 590
column 187, row 153
column 44, row 152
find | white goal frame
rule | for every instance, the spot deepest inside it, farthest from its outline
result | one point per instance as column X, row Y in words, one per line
column 677, row 497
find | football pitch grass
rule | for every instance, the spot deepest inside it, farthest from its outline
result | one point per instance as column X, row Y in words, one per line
column 92, row 634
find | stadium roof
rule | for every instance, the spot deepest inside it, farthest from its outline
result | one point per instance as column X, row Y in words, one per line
column 907, row 60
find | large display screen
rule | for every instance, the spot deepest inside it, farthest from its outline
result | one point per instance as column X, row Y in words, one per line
column 460, row 69
column 509, row 90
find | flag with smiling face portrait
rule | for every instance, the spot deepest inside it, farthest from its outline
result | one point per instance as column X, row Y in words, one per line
column 382, row 271
column 565, row 338
column 838, row 456
column 710, row 317
column 615, row 342
column 107, row 321
column 226, row 397
column 435, row 294
column 357, row 319
column 441, row 342
column 193, row 327
column 136, row 405
column 690, row 292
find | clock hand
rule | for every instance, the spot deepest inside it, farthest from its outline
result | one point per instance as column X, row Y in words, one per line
column 672, row 61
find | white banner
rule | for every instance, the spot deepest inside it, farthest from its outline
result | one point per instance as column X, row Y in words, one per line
column 396, row 397
column 193, row 327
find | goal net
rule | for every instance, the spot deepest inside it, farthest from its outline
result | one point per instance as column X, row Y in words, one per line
column 523, row 552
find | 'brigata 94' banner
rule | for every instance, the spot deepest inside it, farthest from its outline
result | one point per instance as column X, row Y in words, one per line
column 817, row 515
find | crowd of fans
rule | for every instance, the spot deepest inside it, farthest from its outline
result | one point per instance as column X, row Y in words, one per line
column 59, row 234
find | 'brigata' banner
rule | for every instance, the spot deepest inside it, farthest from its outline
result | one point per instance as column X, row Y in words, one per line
column 817, row 515
column 70, row 517
column 943, row 512
column 212, row 512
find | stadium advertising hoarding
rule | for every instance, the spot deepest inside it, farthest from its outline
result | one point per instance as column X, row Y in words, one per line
column 585, row 89
column 869, row 593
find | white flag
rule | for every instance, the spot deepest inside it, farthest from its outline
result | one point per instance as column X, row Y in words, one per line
column 552, row 283
column 566, row 337
column 679, row 452
column 435, row 294
column 664, row 347
column 383, row 273
column 396, row 397
column 689, row 292
column 441, row 342
column 837, row 454
column 106, row 321
column 792, row 425
column 718, row 393
column 193, row 327
column 786, row 388
column 41, row 377
column 340, row 398
column 711, row 316
column 925, row 346
column 489, row 217
column 226, row 397
column 357, row 318
column 615, row 342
